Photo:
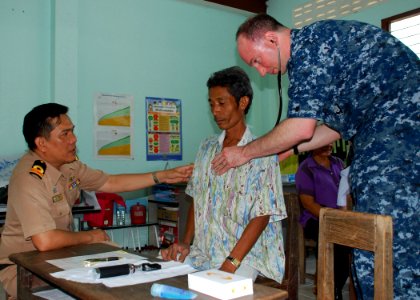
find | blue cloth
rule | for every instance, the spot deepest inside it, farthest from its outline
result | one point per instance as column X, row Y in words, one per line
column 364, row 83
column 319, row 182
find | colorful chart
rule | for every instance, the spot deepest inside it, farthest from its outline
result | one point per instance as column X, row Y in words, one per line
column 163, row 122
column 117, row 118
column 119, row 147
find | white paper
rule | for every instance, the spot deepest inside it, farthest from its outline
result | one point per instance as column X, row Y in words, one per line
column 53, row 295
column 87, row 275
column 78, row 261
column 113, row 130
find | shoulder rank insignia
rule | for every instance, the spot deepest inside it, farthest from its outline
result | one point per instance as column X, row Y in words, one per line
column 38, row 168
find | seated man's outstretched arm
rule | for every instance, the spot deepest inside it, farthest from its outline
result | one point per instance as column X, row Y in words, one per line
column 56, row 238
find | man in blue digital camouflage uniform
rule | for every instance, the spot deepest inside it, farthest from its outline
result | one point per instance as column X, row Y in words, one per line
column 364, row 85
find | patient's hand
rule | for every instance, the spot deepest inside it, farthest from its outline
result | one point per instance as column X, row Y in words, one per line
column 176, row 251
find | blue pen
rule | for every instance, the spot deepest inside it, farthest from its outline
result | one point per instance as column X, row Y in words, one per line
column 170, row 292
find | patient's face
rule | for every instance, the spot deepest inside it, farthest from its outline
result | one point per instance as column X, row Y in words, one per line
column 226, row 111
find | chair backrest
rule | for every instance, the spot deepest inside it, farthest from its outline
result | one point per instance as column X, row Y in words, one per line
column 290, row 281
column 357, row 230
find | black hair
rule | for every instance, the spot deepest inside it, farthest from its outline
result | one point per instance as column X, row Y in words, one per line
column 41, row 120
column 236, row 81
column 255, row 26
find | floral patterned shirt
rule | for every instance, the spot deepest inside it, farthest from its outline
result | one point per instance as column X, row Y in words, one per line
column 224, row 205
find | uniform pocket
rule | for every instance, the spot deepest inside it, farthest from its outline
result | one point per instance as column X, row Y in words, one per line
column 60, row 208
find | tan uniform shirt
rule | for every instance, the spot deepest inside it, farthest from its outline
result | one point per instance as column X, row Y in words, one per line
column 36, row 205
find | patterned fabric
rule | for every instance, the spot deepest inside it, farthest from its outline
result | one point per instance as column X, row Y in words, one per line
column 7, row 164
column 319, row 182
column 364, row 83
column 224, row 205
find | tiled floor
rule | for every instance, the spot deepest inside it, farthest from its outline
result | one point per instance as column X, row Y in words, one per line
column 305, row 290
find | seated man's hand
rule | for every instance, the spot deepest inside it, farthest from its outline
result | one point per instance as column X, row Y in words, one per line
column 98, row 235
column 171, row 253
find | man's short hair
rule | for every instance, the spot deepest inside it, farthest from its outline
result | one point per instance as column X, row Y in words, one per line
column 236, row 81
column 256, row 26
column 41, row 120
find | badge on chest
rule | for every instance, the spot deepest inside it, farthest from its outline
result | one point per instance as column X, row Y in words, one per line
column 57, row 198
column 73, row 183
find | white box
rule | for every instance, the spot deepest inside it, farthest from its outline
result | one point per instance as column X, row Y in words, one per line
column 220, row 284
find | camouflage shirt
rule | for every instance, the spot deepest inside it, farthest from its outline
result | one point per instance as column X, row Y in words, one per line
column 364, row 83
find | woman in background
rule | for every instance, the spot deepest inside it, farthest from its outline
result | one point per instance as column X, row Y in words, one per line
column 317, row 181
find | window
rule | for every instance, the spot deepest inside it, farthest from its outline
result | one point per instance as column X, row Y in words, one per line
column 405, row 27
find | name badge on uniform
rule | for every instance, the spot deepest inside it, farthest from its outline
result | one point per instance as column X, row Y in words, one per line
column 57, row 198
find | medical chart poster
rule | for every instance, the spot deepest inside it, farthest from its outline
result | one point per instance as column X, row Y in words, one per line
column 164, row 129
column 113, row 126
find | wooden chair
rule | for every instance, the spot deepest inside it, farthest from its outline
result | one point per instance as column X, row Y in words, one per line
column 357, row 230
column 304, row 244
column 290, row 280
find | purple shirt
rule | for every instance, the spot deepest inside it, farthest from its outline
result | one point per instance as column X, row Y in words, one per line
column 319, row 182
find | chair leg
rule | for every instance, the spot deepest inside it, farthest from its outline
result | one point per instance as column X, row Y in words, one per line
column 302, row 256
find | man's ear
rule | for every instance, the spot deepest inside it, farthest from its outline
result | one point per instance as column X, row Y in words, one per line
column 270, row 37
column 243, row 102
column 40, row 143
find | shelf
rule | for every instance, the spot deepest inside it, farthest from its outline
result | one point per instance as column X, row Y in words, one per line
column 123, row 226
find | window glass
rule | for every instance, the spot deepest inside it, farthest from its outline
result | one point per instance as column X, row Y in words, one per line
column 405, row 27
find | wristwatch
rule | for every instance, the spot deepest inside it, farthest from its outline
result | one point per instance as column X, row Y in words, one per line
column 155, row 179
column 234, row 261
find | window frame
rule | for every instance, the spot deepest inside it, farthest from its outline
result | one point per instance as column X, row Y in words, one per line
column 386, row 23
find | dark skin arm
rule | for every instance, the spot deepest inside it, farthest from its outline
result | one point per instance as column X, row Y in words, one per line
column 308, row 202
column 182, row 248
column 249, row 237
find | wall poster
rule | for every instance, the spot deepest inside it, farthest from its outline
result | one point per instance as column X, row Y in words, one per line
column 113, row 126
column 164, row 130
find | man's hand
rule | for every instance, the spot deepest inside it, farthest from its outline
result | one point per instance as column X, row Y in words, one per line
column 179, row 174
column 99, row 235
column 171, row 253
column 227, row 267
column 230, row 157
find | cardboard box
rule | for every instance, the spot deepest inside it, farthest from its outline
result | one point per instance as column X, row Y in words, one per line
column 219, row 284
column 168, row 213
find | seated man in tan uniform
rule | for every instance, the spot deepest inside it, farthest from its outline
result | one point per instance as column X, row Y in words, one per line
column 46, row 183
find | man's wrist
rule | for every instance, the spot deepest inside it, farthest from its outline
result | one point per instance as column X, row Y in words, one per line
column 234, row 261
column 155, row 179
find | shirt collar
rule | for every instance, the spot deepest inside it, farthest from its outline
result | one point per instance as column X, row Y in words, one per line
column 246, row 137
